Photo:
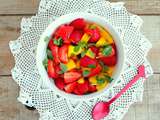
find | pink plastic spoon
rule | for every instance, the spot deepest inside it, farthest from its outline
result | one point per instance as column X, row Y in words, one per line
column 102, row 109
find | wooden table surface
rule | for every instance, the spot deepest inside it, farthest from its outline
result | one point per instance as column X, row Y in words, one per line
column 11, row 13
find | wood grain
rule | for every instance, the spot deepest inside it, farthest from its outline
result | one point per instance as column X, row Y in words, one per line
column 10, row 26
column 10, row 108
column 12, row 7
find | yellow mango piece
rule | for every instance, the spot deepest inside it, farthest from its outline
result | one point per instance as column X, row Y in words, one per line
column 110, row 71
column 104, row 33
column 85, row 38
column 78, row 64
column 90, row 54
column 102, row 86
column 81, row 81
column 72, row 52
column 70, row 65
column 93, row 80
column 101, row 42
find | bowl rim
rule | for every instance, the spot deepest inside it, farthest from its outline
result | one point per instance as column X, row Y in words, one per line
column 42, row 45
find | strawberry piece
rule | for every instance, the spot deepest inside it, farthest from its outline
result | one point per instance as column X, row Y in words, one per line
column 59, row 82
column 76, row 36
column 78, row 23
column 70, row 87
column 109, row 60
column 71, row 76
column 94, row 49
column 51, row 70
column 57, row 69
column 95, row 71
column 63, row 53
column 77, row 92
column 54, row 50
column 86, row 61
column 51, row 44
column 64, row 32
column 92, row 88
column 95, row 35
column 82, row 88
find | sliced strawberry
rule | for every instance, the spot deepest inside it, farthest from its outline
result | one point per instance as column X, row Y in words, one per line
column 64, row 32
column 54, row 50
column 70, row 87
column 59, row 82
column 92, row 88
column 76, row 36
column 110, row 61
column 71, row 76
column 78, row 23
column 86, row 61
column 63, row 53
column 94, row 49
column 50, row 44
column 82, row 88
column 51, row 70
column 95, row 35
column 57, row 69
column 77, row 92
column 95, row 71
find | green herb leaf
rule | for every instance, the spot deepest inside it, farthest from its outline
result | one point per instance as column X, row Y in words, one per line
column 86, row 73
column 91, row 53
column 107, row 50
column 49, row 54
column 63, row 67
column 83, row 53
column 109, row 78
column 92, row 66
column 46, row 39
column 45, row 63
column 82, row 44
column 92, row 27
column 58, row 42
column 105, row 67
column 100, row 80
column 76, row 48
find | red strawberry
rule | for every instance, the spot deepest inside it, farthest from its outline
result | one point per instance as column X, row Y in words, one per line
column 86, row 61
column 78, row 23
column 76, row 91
column 82, row 88
column 51, row 70
column 64, row 32
column 54, row 50
column 57, row 69
column 76, row 36
column 70, row 87
column 92, row 88
column 50, row 44
column 71, row 76
column 95, row 35
column 62, row 53
column 95, row 71
column 59, row 82
column 109, row 60
column 94, row 49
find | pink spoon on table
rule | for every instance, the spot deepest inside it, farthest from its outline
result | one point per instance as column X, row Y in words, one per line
column 102, row 109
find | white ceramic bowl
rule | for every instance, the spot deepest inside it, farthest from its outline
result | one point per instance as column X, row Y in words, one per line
column 42, row 45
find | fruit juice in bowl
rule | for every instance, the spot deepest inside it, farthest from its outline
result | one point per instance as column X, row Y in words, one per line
column 80, row 55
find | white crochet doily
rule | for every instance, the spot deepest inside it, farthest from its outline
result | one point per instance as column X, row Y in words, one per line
column 49, row 104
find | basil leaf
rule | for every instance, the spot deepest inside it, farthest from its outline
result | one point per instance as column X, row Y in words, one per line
column 58, row 42
column 63, row 67
column 46, row 39
column 92, row 66
column 86, row 73
column 49, row 54
column 83, row 53
column 91, row 53
column 107, row 50
column 105, row 67
column 109, row 78
column 45, row 63
column 92, row 27
column 100, row 80
column 76, row 48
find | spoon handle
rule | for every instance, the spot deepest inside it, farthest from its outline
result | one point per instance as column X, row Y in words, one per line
column 140, row 74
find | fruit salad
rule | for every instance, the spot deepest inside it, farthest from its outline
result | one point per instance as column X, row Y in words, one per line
column 81, row 57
